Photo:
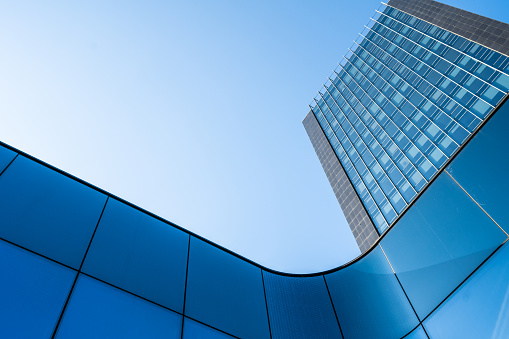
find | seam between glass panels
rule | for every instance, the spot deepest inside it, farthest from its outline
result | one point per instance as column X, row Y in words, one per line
column 266, row 304
column 185, row 287
column 360, row 157
column 416, row 74
column 462, row 282
column 367, row 147
column 360, row 178
column 439, row 56
column 333, row 307
column 9, row 164
column 445, row 29
column 409, row 120
column 71, row 290
column 479, row 205
column 376, row 139
column 413, row 89
column 404, row 98
column 400, row 284
column 410, row 140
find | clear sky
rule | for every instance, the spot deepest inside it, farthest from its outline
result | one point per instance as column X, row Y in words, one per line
column 191, row 110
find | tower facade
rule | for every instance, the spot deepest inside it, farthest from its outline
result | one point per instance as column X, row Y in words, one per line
column 418, row 82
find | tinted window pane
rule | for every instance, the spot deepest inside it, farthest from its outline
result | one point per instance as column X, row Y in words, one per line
column 225, row 292
column 481, row 168
column 195, row 330
column 300, row 307
column 479, row 308
column 369, row 300
column 98, row 310
column 33, row 291
column 47, row 212
column 141, row 254
column 6, row 156
column 442, row 238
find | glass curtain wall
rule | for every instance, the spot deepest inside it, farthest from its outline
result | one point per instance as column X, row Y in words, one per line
column 404, row 99
column 79, row 262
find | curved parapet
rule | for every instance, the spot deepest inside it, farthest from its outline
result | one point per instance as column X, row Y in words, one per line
column 77, row 262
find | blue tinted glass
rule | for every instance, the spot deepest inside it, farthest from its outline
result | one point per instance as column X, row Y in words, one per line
column 141, row 254
column 479, row 308
column 481, row 168
column 98, row 310
column 418, row 333
column 33, row 291
column 47, row 212
column 441, row 239
column 6, row 156
column 369, row 300
column 300, row 307
column 225, row 292
column 195, row 330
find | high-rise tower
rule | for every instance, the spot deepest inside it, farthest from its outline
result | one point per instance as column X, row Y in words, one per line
column 417, row 83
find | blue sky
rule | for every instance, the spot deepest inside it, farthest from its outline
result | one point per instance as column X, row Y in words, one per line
column 191, row 110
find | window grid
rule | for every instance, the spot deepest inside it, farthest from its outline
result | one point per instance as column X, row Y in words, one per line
column 395, row 185
column 417, row 84
column 447, row 47
column 435, row 62
column 501, row 60
column 368, row 167
column 430, row 87
column 351, row 162
column 366, row 197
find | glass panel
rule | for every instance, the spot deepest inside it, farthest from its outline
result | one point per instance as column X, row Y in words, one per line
column 47, row 212
column 6, row 156
column 225, row 292
column 369, row 300
column 481, row 168
column 479, row 308
column 300, row 307
column 33, row 291
column 442, row 238
column 140, row 254
column 98, row 310
column 194, row 330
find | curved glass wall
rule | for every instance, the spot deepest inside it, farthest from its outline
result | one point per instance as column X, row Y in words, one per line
column 79, row 262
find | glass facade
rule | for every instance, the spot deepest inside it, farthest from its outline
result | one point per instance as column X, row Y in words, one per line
column 440, row 272
column 78, row 262
column 405, row 98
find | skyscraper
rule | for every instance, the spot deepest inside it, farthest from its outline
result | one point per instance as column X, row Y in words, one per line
column 417, row 83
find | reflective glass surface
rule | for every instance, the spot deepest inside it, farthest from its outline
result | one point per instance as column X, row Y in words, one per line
column 369, row 300
column 6, row 156
column 438, row 243
column 97, row 310
column 47, row 212
column 404, row 99
column 299, row 307
column 33, row 291
column 482, row 165
column 225, row 292
column 195, row 330
column 141, row 254
column 479, row 308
